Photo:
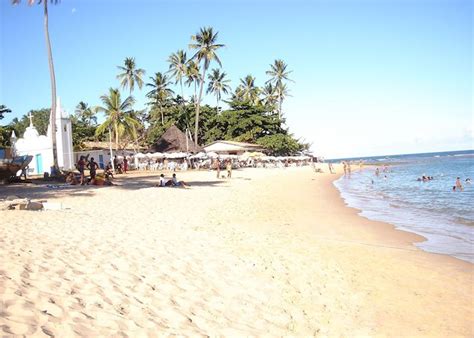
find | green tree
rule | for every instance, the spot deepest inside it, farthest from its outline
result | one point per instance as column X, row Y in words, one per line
column 51, row 72
column 205, row 44
column 177, row 67
column 85, row 113
column 3, row 110
column 278, row 76
column 281, row 144
column 40, row 119
column 218, row 84
column 119, row 116
column 130, row 75
column 247, row 91
column 270, row 97
column 160, row 93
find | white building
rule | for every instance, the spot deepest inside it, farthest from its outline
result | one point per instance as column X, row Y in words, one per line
column 231, row 147
column 41, row 146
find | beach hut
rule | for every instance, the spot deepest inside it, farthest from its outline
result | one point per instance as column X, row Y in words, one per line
column 174, row 141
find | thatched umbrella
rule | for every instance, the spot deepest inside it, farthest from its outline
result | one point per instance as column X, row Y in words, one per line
column 174, row 140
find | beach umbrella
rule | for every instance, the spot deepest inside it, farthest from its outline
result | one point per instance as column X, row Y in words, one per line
column 212, row 154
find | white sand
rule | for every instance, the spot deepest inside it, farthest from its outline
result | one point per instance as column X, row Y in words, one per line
column 270, row 252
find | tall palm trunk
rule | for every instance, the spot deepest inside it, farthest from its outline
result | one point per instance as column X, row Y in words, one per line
column 53, row 87
column 162, row 118
column 116, row 137
column 198, row 107
column 279, row 108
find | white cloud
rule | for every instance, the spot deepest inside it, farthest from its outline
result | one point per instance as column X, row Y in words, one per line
column 73, row 10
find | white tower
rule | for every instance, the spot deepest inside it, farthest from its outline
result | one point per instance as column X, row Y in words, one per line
column 63, row 138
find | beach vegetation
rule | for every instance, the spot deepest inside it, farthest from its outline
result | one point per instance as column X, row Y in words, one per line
column 120, row 119
column 206, row 46
column 130, row 75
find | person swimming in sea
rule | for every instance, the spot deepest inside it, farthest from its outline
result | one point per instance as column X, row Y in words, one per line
column 458, row 185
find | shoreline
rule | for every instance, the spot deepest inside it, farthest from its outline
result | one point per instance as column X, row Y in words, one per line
column 275, row 252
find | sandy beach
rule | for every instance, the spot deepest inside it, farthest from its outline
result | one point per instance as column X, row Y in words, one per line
column 270, row 252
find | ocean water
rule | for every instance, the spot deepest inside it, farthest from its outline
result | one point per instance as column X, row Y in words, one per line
column 431, row 209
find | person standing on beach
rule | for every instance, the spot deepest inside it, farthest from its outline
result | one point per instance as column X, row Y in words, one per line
column 125, row 165
column 377, row 172
column 92, row 166
column 81, row 164
column 217, row 165
column 229, row 169
column 349, row 169
column 345, row 167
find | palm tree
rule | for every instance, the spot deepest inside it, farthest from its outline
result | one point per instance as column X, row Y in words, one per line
column 193, row 76
column 51, row 74
column 178, row 68
column 4, row 110
column 279, row 74
column 217, row 84
column 160, row 92
column 270, row 96
column 205, row 43
column 120, row 116
column 248, row 91
column 86, row 113
column 130, row 75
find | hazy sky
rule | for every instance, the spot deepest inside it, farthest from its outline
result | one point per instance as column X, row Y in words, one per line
column 371, row 77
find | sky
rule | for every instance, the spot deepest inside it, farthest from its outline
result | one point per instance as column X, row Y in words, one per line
column 371, row 77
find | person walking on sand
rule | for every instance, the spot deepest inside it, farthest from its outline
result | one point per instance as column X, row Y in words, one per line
column 217, row 165
column 92, row 166
column 345, row 167
column 331, row 169
column 349, row 169
column 229, row 169
column 81, row 165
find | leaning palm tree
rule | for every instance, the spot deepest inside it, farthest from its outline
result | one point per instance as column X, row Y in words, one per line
column 218, row 84
column 86, row 113
column 130, row 75
column 205, row 43
column 119, row 116
column 51, row 74
column 278, row 74
column 178, row 68
column 160, row 93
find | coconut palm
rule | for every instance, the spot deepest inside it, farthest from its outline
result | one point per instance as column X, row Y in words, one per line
column 278, row 75
column 130, row 75
column 218, row 84
column 248, row 91
column 4, row 110
column 160, row 92
column 193, row 76
column 205, row 44
column 51, row 73
column 270, row 96
column 177, row 68
column 119, row 116
column 86, row 113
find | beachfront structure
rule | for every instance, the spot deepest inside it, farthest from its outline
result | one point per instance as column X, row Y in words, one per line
column 41, row 146
column 100, row 151
column 174, row 140
column 232, row 148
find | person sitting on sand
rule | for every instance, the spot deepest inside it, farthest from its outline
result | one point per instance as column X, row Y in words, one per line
column 100, row 181
column 163, row 182
column 108, row 170
column 71, row 179
column 175, row 183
